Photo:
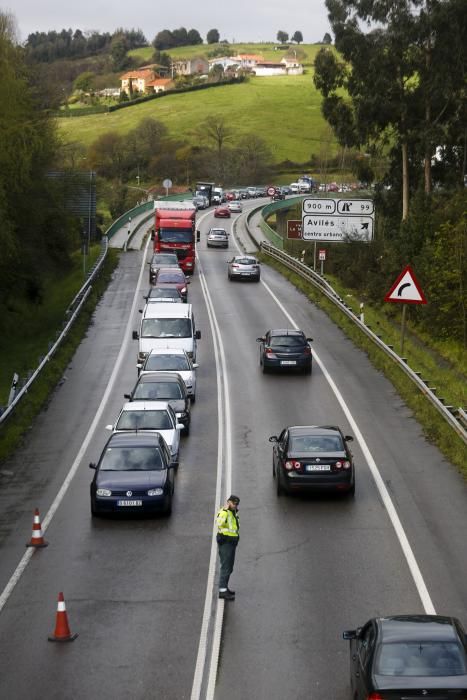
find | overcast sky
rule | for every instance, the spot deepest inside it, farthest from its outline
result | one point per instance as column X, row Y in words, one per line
column 240, row 20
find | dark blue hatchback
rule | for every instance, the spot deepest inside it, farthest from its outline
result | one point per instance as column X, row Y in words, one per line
column 133, row 475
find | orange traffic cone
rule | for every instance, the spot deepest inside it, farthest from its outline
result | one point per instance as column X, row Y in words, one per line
column 62, row 629
column 37, row 539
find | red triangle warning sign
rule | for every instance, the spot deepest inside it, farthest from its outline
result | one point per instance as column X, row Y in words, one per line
column 406, row 289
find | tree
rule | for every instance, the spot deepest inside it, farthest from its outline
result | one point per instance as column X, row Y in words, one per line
column 163, row 40
column 213, row 36
column 84, row 81
column 194, row 37
column 327, row 39
column 180, row 37
column 297, row 37
column 282, row 37
column 118, row 52
column 216, row 132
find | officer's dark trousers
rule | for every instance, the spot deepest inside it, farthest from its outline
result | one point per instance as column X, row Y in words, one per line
column 227, row 558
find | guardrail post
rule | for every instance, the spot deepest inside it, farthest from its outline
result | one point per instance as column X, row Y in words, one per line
column 14, row 385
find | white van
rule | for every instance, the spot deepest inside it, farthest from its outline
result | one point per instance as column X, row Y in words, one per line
column 294, row 187
column 167, row 326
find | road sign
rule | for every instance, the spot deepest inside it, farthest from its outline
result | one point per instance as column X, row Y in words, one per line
column 406, row 289
column 319, row 206
column 337, row 228
column 322, row 254
column 271, row 191
column 357, row 207
column 167, row 183
column 294, row 229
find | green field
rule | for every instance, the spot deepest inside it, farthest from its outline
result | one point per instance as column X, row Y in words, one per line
column 266, row 50
column 284, row 110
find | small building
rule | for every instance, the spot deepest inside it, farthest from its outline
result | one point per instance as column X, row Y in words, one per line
column 268, row 68
column 137, row 80
column 293, row 66
column 225, row 61
column 160, row 85
column 190, row 66
column 248, row 60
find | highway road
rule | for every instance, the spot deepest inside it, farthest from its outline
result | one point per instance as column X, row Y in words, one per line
column 139, row 592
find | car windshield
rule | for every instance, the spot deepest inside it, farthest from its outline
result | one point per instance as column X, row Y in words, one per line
column 286, row 341
column 316, row 443
column 164, row 293
column 166, row 328
column 420, row 659
column 154, row 391
column 164, row 259
column 123, row 459
column 167, row 362
column 217, row 232
column 176, row 235
column 174, row 276
column 144, row 420
column 245, row 261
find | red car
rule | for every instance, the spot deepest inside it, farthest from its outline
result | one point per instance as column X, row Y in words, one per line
column 222, row 213
column 172, row 277
column 230, row 196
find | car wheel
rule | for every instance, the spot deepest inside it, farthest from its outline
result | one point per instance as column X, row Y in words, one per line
column 94, row 512
column 193, row 398
column 265, row 369
column 279, row 488
column 273, row 469
column 308, row 369
column 257, row 279
column 351, row 493
column 186, row 429
column 168, row 506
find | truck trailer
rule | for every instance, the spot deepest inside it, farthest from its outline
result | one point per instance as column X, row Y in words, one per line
column 174, row 231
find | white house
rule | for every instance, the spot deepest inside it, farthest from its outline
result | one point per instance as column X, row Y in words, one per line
column 268, row 68
column 224, row 61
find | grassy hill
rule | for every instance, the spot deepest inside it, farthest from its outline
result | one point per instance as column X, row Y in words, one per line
column 285, row 111
column 266, row 50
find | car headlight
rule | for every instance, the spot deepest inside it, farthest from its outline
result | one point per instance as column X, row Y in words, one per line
column 155, row 492
column 103, row 492
column 181, row 415
column 183, row 290
column 189, row 264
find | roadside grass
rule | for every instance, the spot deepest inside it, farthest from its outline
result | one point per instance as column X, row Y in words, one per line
column 284, row 111
column 266, row 50
column 28, row 342
column 434, row 427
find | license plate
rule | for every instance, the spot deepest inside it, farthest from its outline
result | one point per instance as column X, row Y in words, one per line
column 129, row 503
column 288, row 362
column 318, row 468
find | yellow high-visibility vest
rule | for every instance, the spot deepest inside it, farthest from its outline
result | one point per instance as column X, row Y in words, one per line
column 228, row 523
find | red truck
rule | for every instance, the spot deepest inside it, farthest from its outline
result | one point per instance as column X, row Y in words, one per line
column 174, row 232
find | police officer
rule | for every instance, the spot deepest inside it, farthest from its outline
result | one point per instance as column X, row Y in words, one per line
column 228, row 527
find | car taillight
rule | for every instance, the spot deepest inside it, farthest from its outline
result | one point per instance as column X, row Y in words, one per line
column 269, row 353
column 236, row 266
column 307, row 350
column 375, row 696
column 345, row 464
column 292, row 464
column 183, row 290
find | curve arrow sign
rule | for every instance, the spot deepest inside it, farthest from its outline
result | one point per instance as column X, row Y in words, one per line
column 406, row 289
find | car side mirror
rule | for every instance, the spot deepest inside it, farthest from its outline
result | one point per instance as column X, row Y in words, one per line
column 127, row 396
column 260, row 340
column 310, row 340
column 198, row 236
column 198, row 335
column 92, row 465
column 179, row 426
column 273, row 438
column 195, row 365
column 109, row 427
column 348, row 438
column 146, row 297
column 349, row 634
column 135, row 335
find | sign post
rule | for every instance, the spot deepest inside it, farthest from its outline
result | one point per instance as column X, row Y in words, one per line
column 405, row 290
column 322, row 258
column 167, row 184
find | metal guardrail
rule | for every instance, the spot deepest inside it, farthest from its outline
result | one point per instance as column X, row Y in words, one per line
column 71, row 313
column 457, row 420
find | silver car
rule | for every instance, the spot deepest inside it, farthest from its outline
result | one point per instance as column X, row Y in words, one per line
column 245, row 267
column 154, row 416
column 172, row 360
column 217, row 238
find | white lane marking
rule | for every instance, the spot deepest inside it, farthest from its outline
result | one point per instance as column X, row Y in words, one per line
column 7, row 591
column 380, row 485
column 224, row 457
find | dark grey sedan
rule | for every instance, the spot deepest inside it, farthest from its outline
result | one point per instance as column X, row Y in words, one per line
column 244, row 267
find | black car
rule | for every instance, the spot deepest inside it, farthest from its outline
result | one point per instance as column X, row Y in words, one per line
column 312, row 458
column 164, row 386
column 285, row 349
column 133, row 475
column 278, row 194
column 406, row 657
